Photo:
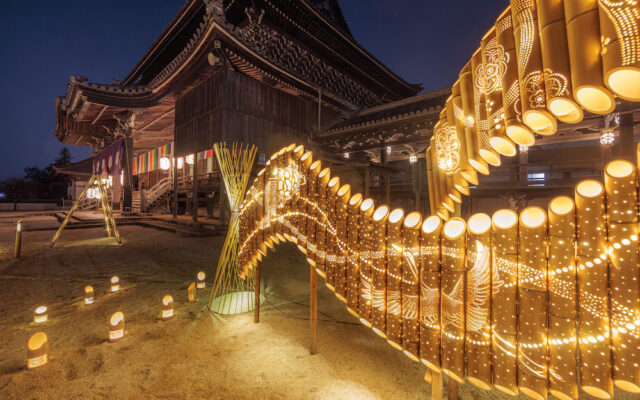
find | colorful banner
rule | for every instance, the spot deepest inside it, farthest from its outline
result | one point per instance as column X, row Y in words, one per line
column 150, row 161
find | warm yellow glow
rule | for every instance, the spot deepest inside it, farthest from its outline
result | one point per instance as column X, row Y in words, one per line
column 596, row 100
column 590, row 188
column 165, row 163
column 480, row 166
column 324, row 172
column 619, row 169
column 380, row 213
column 521, row 135
column 540, row 121
column 479, row 383
column 625, row 82
column 596, row 392
column 355, row 199
column 490, row 157
column 115, row 283
column 40, row 315
column 116, row 318
column 431, row 224
column 454, row 228
column 366, row 205
column 533, row 217
column 334, row 181
column 565, row 110
column 455, row 196
column 412, row 220
column 167, row 299
column 344, row 189
column 479, row 223
column 116, row 331
column 562, row 205
column 503, row 146
column 201, row 275
column 505, row 219
column 396, row 215
column 88, row 295
column 37, row 350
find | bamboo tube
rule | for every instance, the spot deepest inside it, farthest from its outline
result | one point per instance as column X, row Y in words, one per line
column 268, row 204
column 516, row 130
column 494, row 63
column 312, row 210
column 447, row 146
column 394, row 278
column 555, row 59
column 379, row 270
column 620, row 30
column 593, row 312
column 467, row 172
column 470, row 133
column 302, row 204
column 532, row 301
column 485, row 150
column 478, row 297
column 298, row 166
column 563, row 368
column 346, row 240
column 622, row 220
column 321, row 230
column 461, row 185
column 583, row 35
column 452, row 318
column 365, row 290
column 332, row 248
column 439, row 186
column 353, row 266
column 530, row 69
column 411, row 285
column 430, row 293
column 453, row 192
column 261, row 206
column 504, row 239
column 430, row 181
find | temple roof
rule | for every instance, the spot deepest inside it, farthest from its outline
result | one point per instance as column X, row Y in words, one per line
column 331, row 11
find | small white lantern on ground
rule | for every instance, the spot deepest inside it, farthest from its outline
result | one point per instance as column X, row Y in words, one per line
column 191, row 293
column 167, row 307
column 115, row 284
column 116, row 327
column 201, row 283
column 88, row 294
column 40, row 315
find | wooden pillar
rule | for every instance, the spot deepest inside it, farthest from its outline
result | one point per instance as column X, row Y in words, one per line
column 174, row 171
column 194, row 208
column 452, row 389
column 127, row 181
column 256, row 309
column 366, row 182
column 313, row 309
column 626, row 148
column 387, row 178
column 436, row 385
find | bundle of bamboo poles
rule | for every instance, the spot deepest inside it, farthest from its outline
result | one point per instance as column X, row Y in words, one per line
column 230, row 293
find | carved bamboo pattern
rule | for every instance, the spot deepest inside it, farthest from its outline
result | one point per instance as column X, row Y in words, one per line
column 503, row 302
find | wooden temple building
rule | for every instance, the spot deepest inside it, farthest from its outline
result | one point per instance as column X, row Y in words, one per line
column 273, row 72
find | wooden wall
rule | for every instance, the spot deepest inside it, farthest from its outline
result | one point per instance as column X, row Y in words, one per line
column 233, row 107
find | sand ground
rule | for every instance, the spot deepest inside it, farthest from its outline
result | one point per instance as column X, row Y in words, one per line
column 198, row 354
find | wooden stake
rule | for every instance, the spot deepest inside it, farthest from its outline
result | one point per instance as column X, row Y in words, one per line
column 256, row 307
column 436, row 385
column 18, row 249
column 452, row 389
column 313, row 310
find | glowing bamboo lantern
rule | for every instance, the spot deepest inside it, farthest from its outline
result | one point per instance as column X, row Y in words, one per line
column 331, row 247
column 167, row 307
column 455, row 119
column 583, row 34
column 438, row 186
column 430, row 182
column 504, row 238
column 353, row 265
column 461, row 185
column 494, row 67
column 453, row 193
column 260, row 237
column 452, row 316
column 478, row 297
column 563, row 368
column 321, row 227
column 40, row 315
column 516, row 130
column 470, row 132
column 411, row 285
column 593, row 312
column 485, row 150
column 430, row 293
column 379, row 270
column 115, row 284
column 191, row 293
column 116, row 327
column 88, row 295
column 201, row 283
column 302, row 204
column 530, row 69
column 365, row 291
column 37, row 350
column 620, row 30
column 312, row 209
column 555, row 58
column 532, row 302
column 622, row 221
column 394, row 278
column 267, row 225
column 345, row 239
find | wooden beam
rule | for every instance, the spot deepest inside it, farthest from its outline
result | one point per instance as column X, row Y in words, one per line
column 313, row 309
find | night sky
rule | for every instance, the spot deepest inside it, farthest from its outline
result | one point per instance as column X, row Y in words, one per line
column 44, row 42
